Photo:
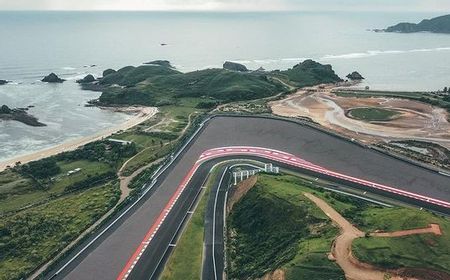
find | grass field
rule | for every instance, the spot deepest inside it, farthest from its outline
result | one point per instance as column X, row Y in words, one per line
column 372, row 114
column 33, row 236
column 186, row 260
column 421, row 251
column 18, row 191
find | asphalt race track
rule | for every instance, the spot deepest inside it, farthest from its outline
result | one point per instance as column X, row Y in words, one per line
column 108, row 256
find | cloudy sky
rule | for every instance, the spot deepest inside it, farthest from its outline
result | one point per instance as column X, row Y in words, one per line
column 229, row 5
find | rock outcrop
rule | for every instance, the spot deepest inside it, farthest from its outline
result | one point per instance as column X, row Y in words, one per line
column 86, row 80
column 108, row 72
column 233, row 66
column 52, row 78
column 164, row 63
column 355, row 76
column 3, row 82
column 20, row 115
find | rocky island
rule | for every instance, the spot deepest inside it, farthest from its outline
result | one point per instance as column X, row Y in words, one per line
column 20, row 115
column 88, row 79
column 233, row 66
column 164, row 63
column 435, row 25
column 3, row 82
column 52, row 78
column 355, row 76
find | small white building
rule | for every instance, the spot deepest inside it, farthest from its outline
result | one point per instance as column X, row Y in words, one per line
column 76, row 170
column 123, row 142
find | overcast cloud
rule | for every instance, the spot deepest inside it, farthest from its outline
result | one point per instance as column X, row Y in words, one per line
column 229, row 5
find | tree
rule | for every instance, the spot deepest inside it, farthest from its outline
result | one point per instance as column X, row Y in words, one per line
column 445, row 89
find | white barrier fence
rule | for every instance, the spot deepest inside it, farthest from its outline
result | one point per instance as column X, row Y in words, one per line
column 242, row 175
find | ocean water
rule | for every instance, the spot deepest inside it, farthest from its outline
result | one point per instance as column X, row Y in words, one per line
column 33, row 44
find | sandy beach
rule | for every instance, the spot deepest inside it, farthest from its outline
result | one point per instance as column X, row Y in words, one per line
column 140, row 114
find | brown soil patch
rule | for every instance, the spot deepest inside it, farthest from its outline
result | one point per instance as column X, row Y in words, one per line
column 276, row 275
column 239, row 191
column 422, row 274
column 418, row 121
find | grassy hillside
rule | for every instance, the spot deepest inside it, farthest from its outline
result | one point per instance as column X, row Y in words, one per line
column 160, row 85
column 419, row 251
column 32, row 236
column 265, row 236
column 276, row 226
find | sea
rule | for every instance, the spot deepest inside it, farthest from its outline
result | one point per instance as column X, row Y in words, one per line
column 73, row 44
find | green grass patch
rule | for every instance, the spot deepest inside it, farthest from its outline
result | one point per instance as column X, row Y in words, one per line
column 421, row 251
column 31, row 237
column 373, row 114
column 20, row 192
column 186, row 260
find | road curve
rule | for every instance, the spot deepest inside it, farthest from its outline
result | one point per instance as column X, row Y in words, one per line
column 108, row 256
column 136, row 269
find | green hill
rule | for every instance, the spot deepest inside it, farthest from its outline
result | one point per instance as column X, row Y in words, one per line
column 435, row 25
column 308, row 73
column 161, row 85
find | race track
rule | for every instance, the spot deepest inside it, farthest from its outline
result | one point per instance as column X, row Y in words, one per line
column 107, row 257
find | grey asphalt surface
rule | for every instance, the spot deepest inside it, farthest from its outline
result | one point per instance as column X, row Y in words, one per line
column 107, row 258
column 215, row 230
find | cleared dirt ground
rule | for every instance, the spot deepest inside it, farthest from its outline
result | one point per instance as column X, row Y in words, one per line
column 417, row 120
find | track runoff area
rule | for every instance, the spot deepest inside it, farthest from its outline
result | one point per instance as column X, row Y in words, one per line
column 285, row 160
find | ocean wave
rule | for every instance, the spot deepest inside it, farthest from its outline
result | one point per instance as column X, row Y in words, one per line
column 378, row 52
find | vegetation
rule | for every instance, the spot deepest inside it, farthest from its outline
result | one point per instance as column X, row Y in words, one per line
column 160, row 85
column 432, row 98
column 41, row 169
column 33, row 236
column 310, row 261
column 418, row 251
column 186, row 260
column 422, row 151
column 308, row 73
column 276, row 226
column 371, row 114
column 103, row 151
column 436, row 25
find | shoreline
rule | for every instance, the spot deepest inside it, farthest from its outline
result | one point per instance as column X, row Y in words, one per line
column 141, row 114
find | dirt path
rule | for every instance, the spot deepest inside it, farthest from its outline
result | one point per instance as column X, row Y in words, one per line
column 432, row 228
column 342, row 247
column 125, row 180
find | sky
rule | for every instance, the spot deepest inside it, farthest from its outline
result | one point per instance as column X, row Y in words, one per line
column 230, row 5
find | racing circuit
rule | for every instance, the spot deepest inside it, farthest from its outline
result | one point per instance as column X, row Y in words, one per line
column 134, row 244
